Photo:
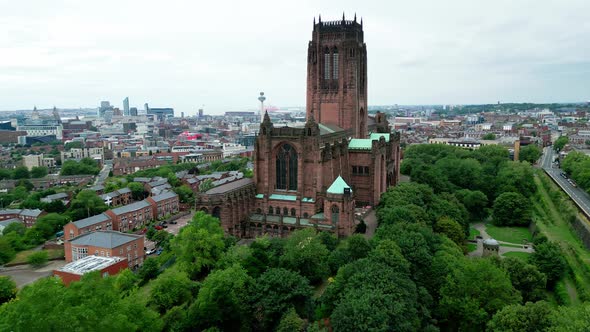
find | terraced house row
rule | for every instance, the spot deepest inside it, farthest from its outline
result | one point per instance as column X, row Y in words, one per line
column 127, row 217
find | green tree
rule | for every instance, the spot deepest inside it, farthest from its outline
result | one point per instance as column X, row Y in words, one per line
column 571, row 318
column 7, row 289
column 549, row 259
column 84, row 166
column 474, row 201
column 6, row 251
column 199, row 245
column 274, row 292
column 73, row 145
column 86, row 204
column 39, row 172
column 305, row 253
column 517, row 177
column 38, row 258
column 560, row 143
column 530, row 153
column 206, row 185
column 222, row 301
column 17, row 227
column 474, row 292
column 526, row 278
column 126, row 281
column 185, row 194
column 137, row 190
column 531, row 317
column 291, row 322
column 451, row 229
column 489, row 137
column 511, row 209
column 21, row 172
column 149, row 270
column 170, row 289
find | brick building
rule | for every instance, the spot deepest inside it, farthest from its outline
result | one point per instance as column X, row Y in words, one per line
column 164, row 204
column 107, row 266
column 106, row 244
column 27, row 216
column 315, row 175
column 131, row 216
column 117, row 197
column 87, row 225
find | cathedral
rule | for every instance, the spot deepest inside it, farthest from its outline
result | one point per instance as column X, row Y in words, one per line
column 316, row 175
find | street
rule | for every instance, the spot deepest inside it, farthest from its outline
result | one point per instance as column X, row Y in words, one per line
column 576, row 194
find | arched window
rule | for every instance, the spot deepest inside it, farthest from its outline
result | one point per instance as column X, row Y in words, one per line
column 326, row 64
column 335, row 63
column 277, row 210
column 293, row 212
column 305, row 215
column 285, row 211
column 217, row 212
column 335, row 214
column 286, row 168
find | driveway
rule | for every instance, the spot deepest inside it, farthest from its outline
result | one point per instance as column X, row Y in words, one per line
column 25, row 274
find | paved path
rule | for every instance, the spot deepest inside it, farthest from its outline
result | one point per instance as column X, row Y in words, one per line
column 371, row 222
column 25, row 274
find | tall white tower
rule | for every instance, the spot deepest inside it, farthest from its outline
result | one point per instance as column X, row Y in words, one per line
column 262, row 98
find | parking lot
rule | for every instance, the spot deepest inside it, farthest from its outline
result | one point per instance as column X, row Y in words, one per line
column 172, row 229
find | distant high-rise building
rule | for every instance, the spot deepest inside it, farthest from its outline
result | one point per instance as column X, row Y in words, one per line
column 104, row 106
column 182, row 115
column 146, row 107
column 126, row 106
column 200, row 112
column 161, row 113
column 133, row 111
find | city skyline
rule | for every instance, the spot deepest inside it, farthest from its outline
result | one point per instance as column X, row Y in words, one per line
column 185, row 55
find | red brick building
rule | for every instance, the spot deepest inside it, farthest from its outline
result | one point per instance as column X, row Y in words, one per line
column 129, row 217
column 27, row 216
column 315, row 175
column 107, row 266
column 87, row 225
column 164, row 204
column 106, row 244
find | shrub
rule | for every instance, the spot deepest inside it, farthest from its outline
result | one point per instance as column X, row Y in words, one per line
column 38, row 258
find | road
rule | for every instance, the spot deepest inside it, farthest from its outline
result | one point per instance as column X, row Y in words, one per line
column 104, row 172
column 575, row 193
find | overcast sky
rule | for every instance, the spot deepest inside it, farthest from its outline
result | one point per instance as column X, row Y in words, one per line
column 185, row 54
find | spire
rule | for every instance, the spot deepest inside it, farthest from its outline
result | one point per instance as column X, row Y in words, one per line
column 314, row 21
column 266, row 117
column 320, row 19
column 343, row 16
column 355, row 17
column 361, row 22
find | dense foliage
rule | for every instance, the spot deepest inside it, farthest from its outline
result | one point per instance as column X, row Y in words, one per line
column 577, row 165
column 86, row 166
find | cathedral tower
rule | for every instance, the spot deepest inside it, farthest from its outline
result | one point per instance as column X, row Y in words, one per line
column 337, row 75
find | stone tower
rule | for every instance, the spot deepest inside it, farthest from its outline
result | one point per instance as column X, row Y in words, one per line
column 337, row 75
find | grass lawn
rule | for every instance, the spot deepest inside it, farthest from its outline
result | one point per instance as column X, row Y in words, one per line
column 471, row 247
column 509, row 234
column 473, row 233
column 21, row 257
column 522, row 255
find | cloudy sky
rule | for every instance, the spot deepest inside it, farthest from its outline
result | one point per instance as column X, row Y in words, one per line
column 185, row 54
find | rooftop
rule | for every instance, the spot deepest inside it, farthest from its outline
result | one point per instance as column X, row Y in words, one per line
column 131, row 207
column 166, row 195
column 104, row 239
column 89, row 264
column 338, row 186
column 91, row 220
column 230, row 186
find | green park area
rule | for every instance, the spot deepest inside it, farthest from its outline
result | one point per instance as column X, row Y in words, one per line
column 509, row 234
column 21, row 257
column 517, row 254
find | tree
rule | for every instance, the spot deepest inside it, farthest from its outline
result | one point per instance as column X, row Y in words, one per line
column 21, row 172
column 531, row 317
column 530, row 153
column 39, row 172
column 571, row 318
column 274, row 292
column 7, row 289
column 84, row 166
column 126, row 281
column 137, row 190
column 290, row 322
column 474, row 201
column 549, row 259
column 206, row 185
column 222, row 301
column 17, row 227
column 6, row 251
column 489, row 137
column 560, row 143
column 451, row 229
column 185, row 194
column 73, row 145
column 305, row 253
column 170, row 289
column 511, row 209
column 474, row 292
column 149, row 270
column 526, row 278
column 37, row 259
column 56, row 206
column 86, row 204
column 517, row 177
column 199, row 245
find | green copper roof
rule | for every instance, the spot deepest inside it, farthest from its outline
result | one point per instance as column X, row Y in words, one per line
column 289, row 220
column 307, row 200
column 360, row 144
column 377, row 136
column 283, row 197
column 338, row 186
column 259, row 195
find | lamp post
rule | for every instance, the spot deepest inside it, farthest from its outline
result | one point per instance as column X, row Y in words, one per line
column 262, row 98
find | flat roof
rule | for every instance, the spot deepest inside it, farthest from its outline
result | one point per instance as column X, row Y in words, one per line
column 89, row 264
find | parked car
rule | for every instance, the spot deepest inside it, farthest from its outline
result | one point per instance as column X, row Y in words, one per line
column 159, row 251
column 173, row 222
column 149, row 251
column 158, row 227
